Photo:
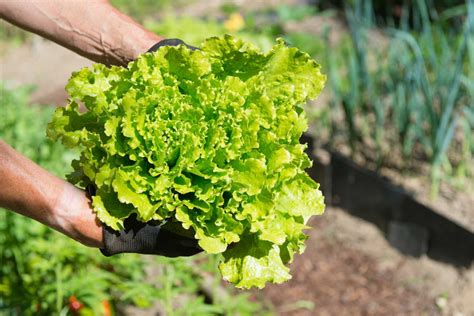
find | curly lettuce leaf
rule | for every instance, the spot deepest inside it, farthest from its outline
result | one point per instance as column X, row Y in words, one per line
column 208, row 139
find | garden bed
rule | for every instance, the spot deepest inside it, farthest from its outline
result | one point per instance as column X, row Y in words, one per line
column 412, row 226
column 349, row 268
column 336, row 275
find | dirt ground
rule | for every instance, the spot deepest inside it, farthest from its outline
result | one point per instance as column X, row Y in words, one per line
column 42, row 64
column 349, row 268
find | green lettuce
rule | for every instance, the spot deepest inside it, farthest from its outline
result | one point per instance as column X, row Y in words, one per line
column 208, row 139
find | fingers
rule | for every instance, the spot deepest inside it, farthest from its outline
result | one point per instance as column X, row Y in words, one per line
column 147, row 238
column 174, row 245
column 90, row 189
column 170, row 42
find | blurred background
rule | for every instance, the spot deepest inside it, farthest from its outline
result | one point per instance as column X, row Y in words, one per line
column 392, row 137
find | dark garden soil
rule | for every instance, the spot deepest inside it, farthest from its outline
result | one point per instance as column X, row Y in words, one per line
column 345, row 282
column 349, row 269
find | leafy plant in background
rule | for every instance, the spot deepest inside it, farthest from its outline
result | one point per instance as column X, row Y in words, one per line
column 354, row 86
column 12, row 35
column 179, row 27
column 286, row 13
column 420, row 93
column 431, row 85
column 180, row 294
column 143, row 9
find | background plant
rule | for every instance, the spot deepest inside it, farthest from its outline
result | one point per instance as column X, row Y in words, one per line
column 411, row 96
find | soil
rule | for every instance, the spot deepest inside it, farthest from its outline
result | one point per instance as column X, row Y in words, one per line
column 454, row 201
column 44, row 65
column 349, row 268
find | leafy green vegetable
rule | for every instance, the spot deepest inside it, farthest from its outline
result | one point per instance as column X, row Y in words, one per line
column 40, row 269
column 207, row 138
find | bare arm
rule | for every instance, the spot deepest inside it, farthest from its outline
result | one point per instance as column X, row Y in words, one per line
column 91, row 28
column 32, row 191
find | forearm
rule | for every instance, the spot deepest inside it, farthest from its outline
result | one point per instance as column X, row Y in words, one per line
column 28, row 189
column 93, row 29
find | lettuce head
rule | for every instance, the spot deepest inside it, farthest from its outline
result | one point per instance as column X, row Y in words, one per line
column 208, row 139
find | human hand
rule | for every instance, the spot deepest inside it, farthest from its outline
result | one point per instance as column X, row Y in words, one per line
column 146, row 238
column 170, row 42
column 32, row 191
column 152, row 237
